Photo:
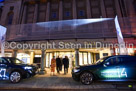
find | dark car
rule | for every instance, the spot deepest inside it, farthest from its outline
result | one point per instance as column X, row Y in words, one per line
column 112, row 68
column 14, row 69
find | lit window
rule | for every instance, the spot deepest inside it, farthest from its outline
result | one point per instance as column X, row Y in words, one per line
column 81, row 13
column 54, row 15
column 67, row 14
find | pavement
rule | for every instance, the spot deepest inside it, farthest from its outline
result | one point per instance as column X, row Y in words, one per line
column 62, row 82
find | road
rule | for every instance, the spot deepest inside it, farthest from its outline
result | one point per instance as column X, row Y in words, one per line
column 63, row 82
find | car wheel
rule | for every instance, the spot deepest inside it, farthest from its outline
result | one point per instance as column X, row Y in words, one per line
column 15, row 77
column 86, row 78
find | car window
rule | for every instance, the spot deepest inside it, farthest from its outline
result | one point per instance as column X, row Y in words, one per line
column 2, row 61
column 112, row 61
column 15, row 61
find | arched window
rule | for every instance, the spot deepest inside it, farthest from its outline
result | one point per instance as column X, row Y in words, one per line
column 9, row 18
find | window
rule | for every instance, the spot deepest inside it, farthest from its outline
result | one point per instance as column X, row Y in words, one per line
column 30, row 13
column 67, row 14
column 10, row 18
column 54, row 15
column 54, row 10
column 67, row 9
column 110, row 8
column 105, row 54
column 42, row 12
column 2, row 61
column 113, row 61
column 81, row 9
column 81, row 13
column 95, row 8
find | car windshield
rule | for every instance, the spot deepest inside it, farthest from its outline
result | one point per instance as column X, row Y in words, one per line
column 101, row 60
column 15, row 61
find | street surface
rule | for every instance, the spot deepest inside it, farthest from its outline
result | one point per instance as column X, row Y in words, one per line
column 63, row 82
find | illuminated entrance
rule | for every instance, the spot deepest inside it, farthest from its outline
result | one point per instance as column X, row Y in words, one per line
column 62, row 54
column 86, row 57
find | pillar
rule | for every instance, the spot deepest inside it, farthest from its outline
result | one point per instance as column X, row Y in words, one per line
column 60, row 10
column 42, row 70
column 48, row 11
column 88, row 9
column 35, row 13
column 35, row 18
column 14, row 54
column 60, row 14
column 118, row 10
column 24, row 15
column 103, row 9
column 101, row 54
column 74, row 10
column 77, row 57
column 31, row 57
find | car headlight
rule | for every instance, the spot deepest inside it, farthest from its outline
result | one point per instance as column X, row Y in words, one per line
column 76, row 70
column 27, row 68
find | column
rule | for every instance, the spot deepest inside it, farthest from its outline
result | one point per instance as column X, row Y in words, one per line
column 118, row 10
column 103, row 9
column 35, row 13
column 48, row 11
column 77, row 57
column 74, row 10
column 35, row 17
column 42, row 71
column 24, row 14
column 60, row 10
column 88, row 9
column 31, row 57
column 101, row 54
column 14, row 54
column 60, row 15
column 21, row 32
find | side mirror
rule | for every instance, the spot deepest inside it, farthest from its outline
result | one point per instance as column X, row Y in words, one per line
column 106, row 64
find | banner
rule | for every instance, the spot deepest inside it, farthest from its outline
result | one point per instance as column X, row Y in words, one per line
column 2, row 39
column 122, row 47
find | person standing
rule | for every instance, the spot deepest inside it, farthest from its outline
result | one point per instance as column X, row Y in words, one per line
column 53, row 65
column 58, row 64
column 66, row 64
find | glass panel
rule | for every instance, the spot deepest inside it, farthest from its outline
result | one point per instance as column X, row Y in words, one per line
column 85, row 58
column 89, row 58
column 80, row 59
column 47, row 60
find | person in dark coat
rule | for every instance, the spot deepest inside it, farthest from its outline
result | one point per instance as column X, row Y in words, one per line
column 66, row 64
column 58, row 64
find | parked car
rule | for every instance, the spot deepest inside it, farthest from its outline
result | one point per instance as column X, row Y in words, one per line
column 112, row 68
column 14, row 69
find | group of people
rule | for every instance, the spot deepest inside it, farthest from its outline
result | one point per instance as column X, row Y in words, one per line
column 58, row 63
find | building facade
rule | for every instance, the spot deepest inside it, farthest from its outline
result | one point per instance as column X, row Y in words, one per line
column 51, row 21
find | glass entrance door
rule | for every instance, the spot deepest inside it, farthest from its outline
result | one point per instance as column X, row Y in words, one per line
column 62, row 55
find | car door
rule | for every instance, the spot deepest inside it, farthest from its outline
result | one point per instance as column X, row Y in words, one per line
column 3, row 69
column 112, row 70
column 128, row 65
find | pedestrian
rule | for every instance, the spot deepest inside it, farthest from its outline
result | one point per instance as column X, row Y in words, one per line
column 58, row 64
column 53, row 65
column 66, row 64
